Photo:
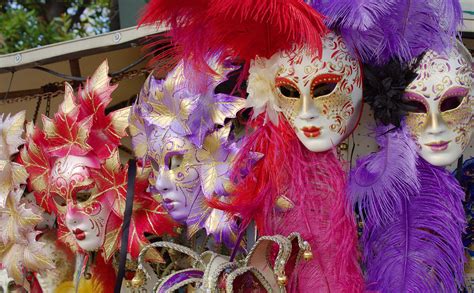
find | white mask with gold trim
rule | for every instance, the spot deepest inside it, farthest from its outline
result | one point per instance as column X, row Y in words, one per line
column 441, row 99
column 320, row 97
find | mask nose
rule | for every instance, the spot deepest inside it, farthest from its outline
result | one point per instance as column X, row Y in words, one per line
column 435, row 125
column 308, row 109
column 163, row 184
column 72, row 216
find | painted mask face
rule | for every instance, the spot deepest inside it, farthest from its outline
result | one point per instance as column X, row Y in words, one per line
column 81, row 206
column 321, row 98
column 441, row 102
column 175, row 176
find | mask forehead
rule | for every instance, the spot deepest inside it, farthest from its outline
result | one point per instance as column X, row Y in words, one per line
column 439, row 73
column 328, row 96
column 444, row 90
column 162, row 144
column 301, row 65
column 70, row 173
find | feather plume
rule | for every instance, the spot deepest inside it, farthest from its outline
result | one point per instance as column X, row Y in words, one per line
column 421, row 250
column 236, row 28
column 415, row 245
column 355, row 14
column 381, row 182
column 292, row 189
column 410, row 28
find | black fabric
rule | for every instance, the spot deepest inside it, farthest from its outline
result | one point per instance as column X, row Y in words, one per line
column 459, row 169
column 132, row 171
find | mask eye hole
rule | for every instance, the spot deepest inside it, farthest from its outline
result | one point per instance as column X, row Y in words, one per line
column 413, row 103
column 60, row 201
column 175, row 161
column 414, row 106
column 289, row 91
column 83, row 195
column 451, row 103
column 323, row 89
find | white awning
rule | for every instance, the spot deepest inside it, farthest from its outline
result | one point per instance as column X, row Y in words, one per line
column 468, row 8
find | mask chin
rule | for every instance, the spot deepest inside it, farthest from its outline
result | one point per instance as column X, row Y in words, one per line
column 318, row 144
column 438, row 157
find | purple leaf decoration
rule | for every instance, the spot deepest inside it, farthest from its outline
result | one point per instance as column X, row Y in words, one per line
column 212, row 110
column 378, row 31
column 217, row 223
column 421, row 250
column 381, row 182
column 200, row 124
column 168, row 105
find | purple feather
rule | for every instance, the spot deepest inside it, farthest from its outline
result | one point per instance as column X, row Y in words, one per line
column 360, row 15
column 398, row 29
column 420, row 248
column 381, row 182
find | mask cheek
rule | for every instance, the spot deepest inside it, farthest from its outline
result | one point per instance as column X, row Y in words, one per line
column 337, row 109
column 75, row 218
column 459, row 121
column 88, row 224
column 416, row 122
column 290, row 109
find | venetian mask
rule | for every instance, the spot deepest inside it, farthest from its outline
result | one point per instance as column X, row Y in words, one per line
column 72, row 160
column 184, row 136
column 320, row 97
column 81, row 207
column 175, row 176
column 440, row 99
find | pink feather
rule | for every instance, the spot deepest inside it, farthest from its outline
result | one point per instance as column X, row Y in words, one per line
column 316, row 184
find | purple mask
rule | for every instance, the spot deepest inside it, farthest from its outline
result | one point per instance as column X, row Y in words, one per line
column 182, row 133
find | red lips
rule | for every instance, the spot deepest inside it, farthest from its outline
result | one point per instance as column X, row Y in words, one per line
column 311, row 132
column 168, row 204
column 438, row 146
column 79, row 234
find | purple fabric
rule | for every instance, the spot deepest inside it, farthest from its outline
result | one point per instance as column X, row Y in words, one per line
column 179, row 278
column 418, row 249
column 400, row 29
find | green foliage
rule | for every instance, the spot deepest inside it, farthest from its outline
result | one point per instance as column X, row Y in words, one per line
column 30, row 24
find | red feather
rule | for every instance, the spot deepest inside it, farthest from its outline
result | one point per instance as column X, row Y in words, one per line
column 236, row 28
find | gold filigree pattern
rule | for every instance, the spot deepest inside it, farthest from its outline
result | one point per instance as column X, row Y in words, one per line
column 337, row 108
